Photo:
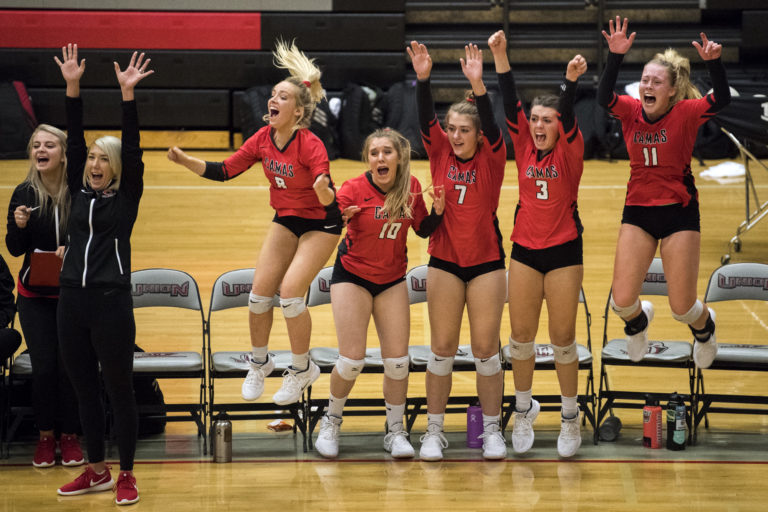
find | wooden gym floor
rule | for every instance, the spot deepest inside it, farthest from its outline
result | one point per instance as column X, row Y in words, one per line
column 207, row 228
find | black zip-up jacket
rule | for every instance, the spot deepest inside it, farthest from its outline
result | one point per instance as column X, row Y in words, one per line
column 40, row 233
column 100, row 223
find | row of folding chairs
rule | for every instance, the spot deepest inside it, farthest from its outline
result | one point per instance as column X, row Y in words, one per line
column 745, row 284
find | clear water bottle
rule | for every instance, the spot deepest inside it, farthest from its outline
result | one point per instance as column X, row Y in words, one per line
column 676, row 427
column 222, row 439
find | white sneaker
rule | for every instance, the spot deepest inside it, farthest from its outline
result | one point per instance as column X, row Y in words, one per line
column 494, row 445
column 294, row 384
column 637, row 344
column 253, row 385
column 569, row 439
column 432, row 444
column 327, row 443
column 397, row 444
column 522, row 433
column 704, row 352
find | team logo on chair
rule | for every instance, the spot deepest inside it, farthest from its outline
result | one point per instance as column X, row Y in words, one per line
column 235, row 289
column 172, row 289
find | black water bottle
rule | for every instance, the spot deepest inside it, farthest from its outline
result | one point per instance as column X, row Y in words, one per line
column 676, row 428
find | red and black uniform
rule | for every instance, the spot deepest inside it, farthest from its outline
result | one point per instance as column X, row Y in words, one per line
column 660, row 151
column 291, row 172
column 373, row 248
column 469, row 234
column 547, row 212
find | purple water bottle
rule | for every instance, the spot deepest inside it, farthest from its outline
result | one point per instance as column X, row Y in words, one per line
column 474, row 426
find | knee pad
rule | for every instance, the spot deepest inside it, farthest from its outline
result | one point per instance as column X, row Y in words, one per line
column 292, row 307
column 566, row 354
column 259, row 304
column 522, row 351
column 625, row 312
column 396, row 368
column 349, row 369
column 440, row 366
column 489, row 366
column 691, row 315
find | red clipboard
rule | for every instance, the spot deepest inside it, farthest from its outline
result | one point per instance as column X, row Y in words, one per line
column 44, row 268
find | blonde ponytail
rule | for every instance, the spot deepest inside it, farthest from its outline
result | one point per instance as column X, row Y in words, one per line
column 679, row 69
column 304, row 74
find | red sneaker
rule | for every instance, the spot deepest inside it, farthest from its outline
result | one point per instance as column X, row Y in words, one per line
column 126, row 492
column 89, row 481
column 71, row 453
column 45, row 453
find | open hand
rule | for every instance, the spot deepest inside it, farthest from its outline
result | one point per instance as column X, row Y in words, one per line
column 422, row 62
column 472, row 67
column 70, row 69
column 618, row 42
column 134, row 73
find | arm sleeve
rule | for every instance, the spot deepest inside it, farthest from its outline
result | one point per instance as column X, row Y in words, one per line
column 720, row 88
column 565, row 105
column 509, row 94
column 76, row 149
column 425, row 105
column 605, row 95
column 215, row 171
column 132, row 179
column 487, row 121
column 429, row 224
column 16, row 240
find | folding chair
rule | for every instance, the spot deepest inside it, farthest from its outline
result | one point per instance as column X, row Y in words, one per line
column 231, row 290
column 325, row 357
column 464, row 360
column 661, row 354
column 736, row 282
column 167, row 288
column 545, row 360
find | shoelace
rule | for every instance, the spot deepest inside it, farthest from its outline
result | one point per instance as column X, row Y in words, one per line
column 329, row 429
column 125, row 482
column 439, row 435
column 569, row 429
column 390, row 437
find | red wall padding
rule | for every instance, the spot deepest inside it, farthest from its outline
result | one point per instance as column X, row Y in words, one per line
column 131, row 30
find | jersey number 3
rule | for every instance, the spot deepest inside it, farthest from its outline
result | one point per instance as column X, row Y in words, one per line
column 543, row 192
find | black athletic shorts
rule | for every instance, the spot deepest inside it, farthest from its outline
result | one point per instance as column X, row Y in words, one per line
column 551, row 258
column 662, row 221
column 299, row 225
column 466, row 274
column 342, row 275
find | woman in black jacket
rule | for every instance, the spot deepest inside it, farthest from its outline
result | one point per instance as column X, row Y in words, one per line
column 96, row 324
column 37, row 216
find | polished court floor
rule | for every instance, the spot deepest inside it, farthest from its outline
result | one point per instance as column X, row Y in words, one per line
column 207, row 228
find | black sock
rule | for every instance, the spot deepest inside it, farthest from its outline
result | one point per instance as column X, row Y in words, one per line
column 636, row 325
column 704, row 334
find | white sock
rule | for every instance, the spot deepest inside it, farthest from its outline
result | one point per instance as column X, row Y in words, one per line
column 259, row 354
column 490, row 420
column 336, row 406
column 300, row 362
column 570, row 406
column 436, row 419
column 395, row 417
column 523, row 400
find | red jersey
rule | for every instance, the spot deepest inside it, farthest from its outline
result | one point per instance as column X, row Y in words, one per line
column 549, row 188
column 373, row 249
column 660, row 151
column 469, row 233
column 291, row 171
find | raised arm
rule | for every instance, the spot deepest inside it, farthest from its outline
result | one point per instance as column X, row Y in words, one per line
column 422, row 65
column 618, row 44
column 710, row 52
column 576, row 67
column 472, row 68
column 498, row 45
column 72, row 71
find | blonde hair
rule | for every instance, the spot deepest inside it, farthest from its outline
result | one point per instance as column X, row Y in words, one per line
column 398, row 202
column 60, row 198
column 111, row 146
column 304, row 75
column 679, row 69
column 466, row 107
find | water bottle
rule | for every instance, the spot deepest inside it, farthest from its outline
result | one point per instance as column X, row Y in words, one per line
column 222, row 439
column 610, row 428
column 676, row 426
column 651, row 423
column 474, row 426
